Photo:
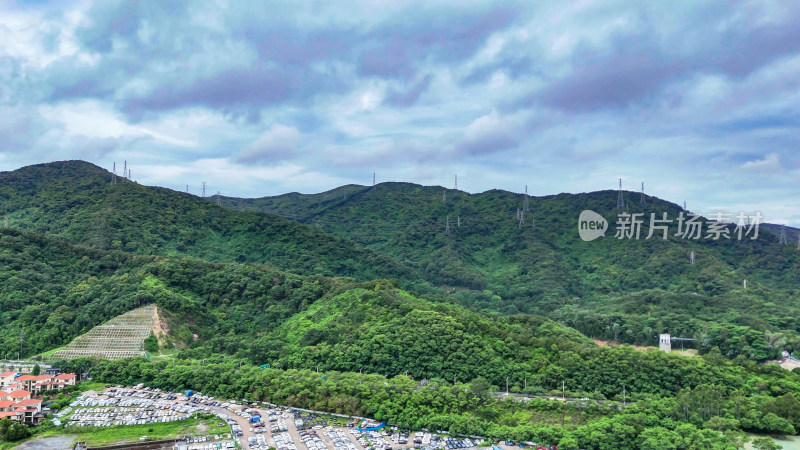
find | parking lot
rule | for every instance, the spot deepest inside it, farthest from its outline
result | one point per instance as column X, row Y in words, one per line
column 259, row 426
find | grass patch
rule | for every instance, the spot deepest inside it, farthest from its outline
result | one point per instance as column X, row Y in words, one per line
column 94, row 436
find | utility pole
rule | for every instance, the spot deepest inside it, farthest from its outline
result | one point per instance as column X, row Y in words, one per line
column 624, row 396
column 204, row 189
column 641, row 201
column 526, row 384
column 526, row 205
column 563, row 391
column 620, row 200
column 507, row 386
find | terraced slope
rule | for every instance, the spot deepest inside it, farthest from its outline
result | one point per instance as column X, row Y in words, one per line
column 120, row 337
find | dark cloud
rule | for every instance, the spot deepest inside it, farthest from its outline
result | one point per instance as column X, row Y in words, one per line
column 639, row 65
column 236, row 89
column 397, row 50
column 616, row 81
column 408, row 97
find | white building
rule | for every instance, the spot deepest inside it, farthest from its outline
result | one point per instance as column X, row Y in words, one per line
column 664, row 343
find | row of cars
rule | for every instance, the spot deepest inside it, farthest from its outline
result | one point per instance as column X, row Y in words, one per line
column 93, row 411
column 258, row 442
column 340, row 440
column 283, row 441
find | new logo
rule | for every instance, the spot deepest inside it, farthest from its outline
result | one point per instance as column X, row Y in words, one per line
column 591, row 225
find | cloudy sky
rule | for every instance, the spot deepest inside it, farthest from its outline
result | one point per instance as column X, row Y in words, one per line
column 698, row 100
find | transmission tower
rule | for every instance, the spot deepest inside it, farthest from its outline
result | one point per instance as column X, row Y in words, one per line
column 641, row 200
column 458, row 224
column 745, row 284
column 444, row 196
column 5, row 221
column 456, row 182
column 691, row 257
column 204, row 189
column 798, row 238
column 114, row 174
column 447, row 226
column 783, row 235
column 526, row 206
column 187, row 188
column 125, row 169
column 373, row 179
column 620, row 200
column 684, row 206
column 521, row 218
column 219, row 199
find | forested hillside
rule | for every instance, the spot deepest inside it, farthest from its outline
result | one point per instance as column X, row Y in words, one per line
column 76, row 201
column 628, row 290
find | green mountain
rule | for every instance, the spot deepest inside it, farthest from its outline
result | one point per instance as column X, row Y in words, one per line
column 76, row 201
column 622, row 289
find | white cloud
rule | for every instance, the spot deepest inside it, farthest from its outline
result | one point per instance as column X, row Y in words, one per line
column 770, row 163
column 279, row 143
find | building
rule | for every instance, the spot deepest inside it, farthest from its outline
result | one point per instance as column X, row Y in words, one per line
column 12, row 381
column 7, row 379
column 27, row 411
column 665, row 343
column 16, row 396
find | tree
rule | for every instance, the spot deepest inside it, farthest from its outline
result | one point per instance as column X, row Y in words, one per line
column 36, row 370
column 151, row 343
column 16, row 432
column 480, row 387
column 765, row 443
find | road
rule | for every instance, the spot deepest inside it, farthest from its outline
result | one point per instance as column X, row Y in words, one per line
column 526, row 397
